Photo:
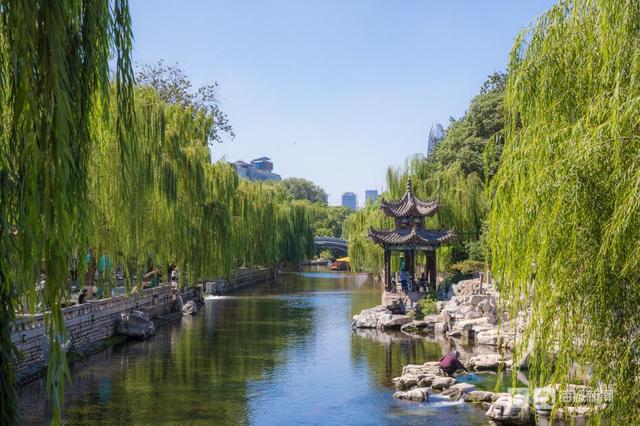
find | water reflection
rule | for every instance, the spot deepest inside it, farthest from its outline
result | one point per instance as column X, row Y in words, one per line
column 280, row 353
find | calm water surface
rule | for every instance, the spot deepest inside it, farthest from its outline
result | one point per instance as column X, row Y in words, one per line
column 281, row 353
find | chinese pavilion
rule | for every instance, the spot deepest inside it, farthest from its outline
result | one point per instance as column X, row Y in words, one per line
column 410, row 235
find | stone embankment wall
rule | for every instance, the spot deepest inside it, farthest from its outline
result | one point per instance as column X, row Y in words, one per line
column 241, row 278
column 95, row 320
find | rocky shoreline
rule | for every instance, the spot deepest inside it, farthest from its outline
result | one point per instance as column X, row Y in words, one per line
column 470, row 315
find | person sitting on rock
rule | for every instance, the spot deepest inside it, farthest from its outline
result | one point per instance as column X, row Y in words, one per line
column 450, row 363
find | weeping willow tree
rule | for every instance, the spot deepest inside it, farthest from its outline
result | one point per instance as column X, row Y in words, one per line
column 89, row 162
column 53, row 71
column 564, row 226
column 463, row 207
column 181, row 208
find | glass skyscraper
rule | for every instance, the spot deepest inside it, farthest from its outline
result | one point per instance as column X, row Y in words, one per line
column 349, row 199
column 436, row 134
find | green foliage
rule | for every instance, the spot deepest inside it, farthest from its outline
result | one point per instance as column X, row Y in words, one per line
column 54, row 72
column 454, row 174
column 467, row 138
column 303, row 189
column 327, row 254
column 174, row 87
column 428, row 306
column 564, row 226
column 328, row 220
column 468, row 267
column 139, row 188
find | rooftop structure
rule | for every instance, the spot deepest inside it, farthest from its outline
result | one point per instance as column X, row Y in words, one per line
column 410, row 235
column 259, row 169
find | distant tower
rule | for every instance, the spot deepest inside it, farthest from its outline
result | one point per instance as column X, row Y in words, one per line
column 350, row 200
column 436, row 134
column 371, row 195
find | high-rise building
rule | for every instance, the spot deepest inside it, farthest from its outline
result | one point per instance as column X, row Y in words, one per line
column 370, row 195
column 436, row 134
column 259, row 169
column 349, row 199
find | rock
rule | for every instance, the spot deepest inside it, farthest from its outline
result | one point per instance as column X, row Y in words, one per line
column 393, row 322
column 432, row 319
column 417, row 395
column 442, row 383
column 458, row 390
column 379, row 317
column 476, row 299
column 468, row 325
column 490, row 338
column 476, row 396
column 454, row 333
column 190, row 308
column 426, row 381
column 488, row 305
column 471, row 315
column 135, row 324
column 405, row 381
column 416, row 326
column 511, row 410
column 426, row 368
column 440, row 327
column 488, row 362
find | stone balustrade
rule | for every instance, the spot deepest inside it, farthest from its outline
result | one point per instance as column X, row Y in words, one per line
column 95, row 319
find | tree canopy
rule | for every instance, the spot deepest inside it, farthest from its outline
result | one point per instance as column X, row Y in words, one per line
column 89, row 162
column 455, row 174
column 303, row 189
column 564, row 226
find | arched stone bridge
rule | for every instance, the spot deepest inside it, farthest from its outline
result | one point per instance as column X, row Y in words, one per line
column 331, row 243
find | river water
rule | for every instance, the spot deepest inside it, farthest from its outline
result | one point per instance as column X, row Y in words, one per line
column 281, row 353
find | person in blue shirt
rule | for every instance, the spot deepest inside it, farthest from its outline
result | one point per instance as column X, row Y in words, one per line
column 403, row 280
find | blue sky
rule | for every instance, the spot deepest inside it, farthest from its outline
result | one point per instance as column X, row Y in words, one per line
column 334, row 91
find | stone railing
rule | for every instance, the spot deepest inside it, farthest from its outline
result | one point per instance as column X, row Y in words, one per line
column 241, row 278
column 95, row 319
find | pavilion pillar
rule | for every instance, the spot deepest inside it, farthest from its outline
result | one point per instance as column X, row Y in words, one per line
column 387, row 270
column 432, row 269
column 413, row 269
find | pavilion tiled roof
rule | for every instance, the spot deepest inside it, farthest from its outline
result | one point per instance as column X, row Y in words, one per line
column 410, row 236
column 409, row 206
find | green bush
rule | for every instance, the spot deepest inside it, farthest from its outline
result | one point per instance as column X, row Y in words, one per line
column 428, row 306
column 468, row 267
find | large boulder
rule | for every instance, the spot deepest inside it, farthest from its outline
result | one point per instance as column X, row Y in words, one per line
column 442, row 383
column 458, row 390
column 135, row 324
column 379, row 317
column 416, row 395
column 369, row 318
column 468, row 325
column 477, row 396
column 418, row 325
column 190, row 308
column 441, row 327
column 490, row 338
column 393, row 322
column 511, row 410
column 488, row 362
